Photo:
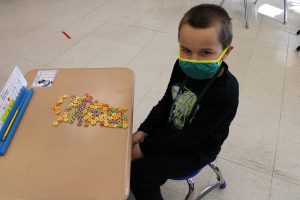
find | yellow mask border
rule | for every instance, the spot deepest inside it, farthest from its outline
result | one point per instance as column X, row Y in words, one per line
column 218, row 60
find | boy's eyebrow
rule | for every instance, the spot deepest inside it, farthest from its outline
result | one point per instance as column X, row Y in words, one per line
column 183, row 47
column 204, row 49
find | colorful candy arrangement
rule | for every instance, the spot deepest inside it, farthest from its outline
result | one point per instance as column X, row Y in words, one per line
column 89, row 111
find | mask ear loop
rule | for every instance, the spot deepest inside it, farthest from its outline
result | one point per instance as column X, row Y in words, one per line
column 222, row 55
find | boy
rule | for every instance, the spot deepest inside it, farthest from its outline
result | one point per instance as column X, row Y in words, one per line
column 185, row 130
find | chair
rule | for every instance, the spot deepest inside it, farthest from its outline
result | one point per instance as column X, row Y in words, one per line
column 246, row 11
column 189, row 179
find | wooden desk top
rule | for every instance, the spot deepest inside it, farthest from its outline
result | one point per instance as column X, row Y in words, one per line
column 68, row 162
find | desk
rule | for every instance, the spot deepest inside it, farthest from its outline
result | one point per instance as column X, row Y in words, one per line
column 68, row 162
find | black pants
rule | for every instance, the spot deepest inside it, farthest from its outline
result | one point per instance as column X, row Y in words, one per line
column 149, row 173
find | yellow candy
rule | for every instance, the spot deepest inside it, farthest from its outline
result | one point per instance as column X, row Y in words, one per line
column 60, row 119
column 57, row 112
column 85, row 117
column 108, row 111
column 55, row 123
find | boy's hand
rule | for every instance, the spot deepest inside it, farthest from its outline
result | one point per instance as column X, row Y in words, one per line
column 136, row 152
column 138, row 137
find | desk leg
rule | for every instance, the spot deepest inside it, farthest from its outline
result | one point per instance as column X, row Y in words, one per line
column 222, row 2
column 246, row 14
column 285, row 11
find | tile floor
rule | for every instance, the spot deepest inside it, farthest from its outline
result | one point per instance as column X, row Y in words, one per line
column 260, row 160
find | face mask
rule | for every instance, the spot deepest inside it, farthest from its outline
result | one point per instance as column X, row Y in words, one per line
column 200, row 69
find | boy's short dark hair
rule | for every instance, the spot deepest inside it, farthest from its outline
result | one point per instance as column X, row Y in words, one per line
column 208, row 15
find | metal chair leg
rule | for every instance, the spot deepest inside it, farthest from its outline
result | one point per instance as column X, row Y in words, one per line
column 190, row 182
column 221, row 182
column 218, row 173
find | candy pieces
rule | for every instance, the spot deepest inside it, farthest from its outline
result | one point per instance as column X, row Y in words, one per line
column 89, row 111
column 55, row 123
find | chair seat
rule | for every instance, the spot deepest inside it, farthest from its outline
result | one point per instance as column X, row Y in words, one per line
column 191, row 175
column 189, row 179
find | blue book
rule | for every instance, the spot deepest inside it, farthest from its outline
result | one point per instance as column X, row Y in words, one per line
column 12, row 111
column 20, row 111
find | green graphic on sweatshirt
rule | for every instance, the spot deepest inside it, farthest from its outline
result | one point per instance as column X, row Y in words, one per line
column 184, row 101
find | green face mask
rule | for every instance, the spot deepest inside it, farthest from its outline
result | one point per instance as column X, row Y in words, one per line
column 200, row 69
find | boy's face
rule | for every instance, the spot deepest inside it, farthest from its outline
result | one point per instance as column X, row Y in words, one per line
column 200, row 44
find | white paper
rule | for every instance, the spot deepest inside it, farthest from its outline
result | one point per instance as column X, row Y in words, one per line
column 10, row 93
column 44, row 78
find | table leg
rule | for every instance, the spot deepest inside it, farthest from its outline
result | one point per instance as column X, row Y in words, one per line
column 221, row 4
column 285, row 11
column 246, row 14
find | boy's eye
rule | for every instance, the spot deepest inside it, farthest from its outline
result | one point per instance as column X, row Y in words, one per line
column 204, row 53
column 186, row 51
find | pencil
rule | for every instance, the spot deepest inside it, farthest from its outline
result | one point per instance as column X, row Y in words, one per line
column 10, row 124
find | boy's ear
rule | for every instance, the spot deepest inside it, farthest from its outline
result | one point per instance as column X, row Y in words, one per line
column 227, row 52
